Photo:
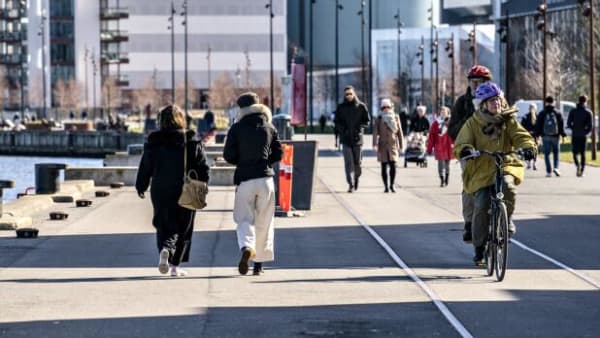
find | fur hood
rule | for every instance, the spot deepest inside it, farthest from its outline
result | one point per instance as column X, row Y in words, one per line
column 169, row 137
column 255, row 109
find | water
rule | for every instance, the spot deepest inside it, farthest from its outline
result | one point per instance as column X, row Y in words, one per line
column 21, row 169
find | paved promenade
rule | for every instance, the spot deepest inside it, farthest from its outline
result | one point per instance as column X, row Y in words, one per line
column 365, row 264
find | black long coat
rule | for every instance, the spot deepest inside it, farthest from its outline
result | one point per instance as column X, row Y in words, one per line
column 161, row 168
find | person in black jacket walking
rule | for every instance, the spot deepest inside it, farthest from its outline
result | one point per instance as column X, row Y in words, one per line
column 351, row 117
column 162, row 163
column 580, row 123
column 550, row 127
column 528, row 122
column 252, row 145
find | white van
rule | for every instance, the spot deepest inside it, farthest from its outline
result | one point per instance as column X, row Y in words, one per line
column 565, row 108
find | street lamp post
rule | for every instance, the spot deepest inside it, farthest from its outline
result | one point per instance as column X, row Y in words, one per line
column 450, row 50
column 431, row 28
column 473, row 40
column 361, row 13
column 42, row 33
column 588, row 11
column 208, row 56
column 338, row 8
column 503, row 31
column 185, row 57
column 311, row 68
column 172, row 28
column 271, row 16
column 399, row 25
column 542, row 25
column 94, row 72
column 86, row 56
column 437, row 74
column 421, row 55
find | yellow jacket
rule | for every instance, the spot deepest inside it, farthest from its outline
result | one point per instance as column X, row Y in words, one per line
column 479, row 172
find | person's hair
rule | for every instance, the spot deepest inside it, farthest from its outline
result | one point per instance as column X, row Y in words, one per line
column 583, row 99
column 549, row 99
column 532, row 113
column 349, row 88
column 172, row 117
column 445, row 109
column 421, row 109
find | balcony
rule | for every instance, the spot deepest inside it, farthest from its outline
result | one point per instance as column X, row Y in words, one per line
column 12, row 37
column 114, row 13
column 107, row 36
column 114, row 58
column 11, row 14
column 10, row 59
column 122, row 81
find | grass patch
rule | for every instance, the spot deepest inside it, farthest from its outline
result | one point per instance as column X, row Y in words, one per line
column 567, row 156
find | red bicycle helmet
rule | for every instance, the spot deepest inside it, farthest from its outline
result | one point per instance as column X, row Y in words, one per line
column 478, row 71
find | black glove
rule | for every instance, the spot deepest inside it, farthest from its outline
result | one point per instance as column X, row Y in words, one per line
column 467, row 152
column 529, row 154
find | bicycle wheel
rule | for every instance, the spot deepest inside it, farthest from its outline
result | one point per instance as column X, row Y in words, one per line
column 501, row 241
column 490, row 250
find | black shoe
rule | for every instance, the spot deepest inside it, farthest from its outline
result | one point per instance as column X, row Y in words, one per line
column 350, row 188
column 479, row 257
column 467, row 234
column 446, row 180
column 386, row 190
column 247, row 253
column 258, row 269
column 355, row 184
column 392, row 188
column 442, row 181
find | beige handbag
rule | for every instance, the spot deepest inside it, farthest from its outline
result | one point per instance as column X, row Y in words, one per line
column 194, row 191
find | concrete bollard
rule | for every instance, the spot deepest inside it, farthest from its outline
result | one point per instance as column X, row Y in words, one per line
column 4, row 184
column 47, row 179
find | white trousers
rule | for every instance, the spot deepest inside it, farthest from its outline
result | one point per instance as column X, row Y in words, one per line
column 254, row 212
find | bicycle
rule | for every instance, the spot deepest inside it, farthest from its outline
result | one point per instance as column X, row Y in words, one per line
column 498, row 236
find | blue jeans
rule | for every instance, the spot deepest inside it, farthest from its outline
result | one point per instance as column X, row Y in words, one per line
column 551, row 145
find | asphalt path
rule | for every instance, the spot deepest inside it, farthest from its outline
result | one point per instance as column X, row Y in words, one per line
column 365, row 264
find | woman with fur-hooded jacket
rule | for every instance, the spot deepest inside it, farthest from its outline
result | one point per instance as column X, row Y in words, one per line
column 162, row 163
column 253, row 147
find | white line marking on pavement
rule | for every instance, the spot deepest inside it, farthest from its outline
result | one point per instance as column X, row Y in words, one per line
column 434, row 297
column 557, row 263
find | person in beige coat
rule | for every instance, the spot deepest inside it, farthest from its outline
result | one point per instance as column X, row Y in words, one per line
column 388, row 141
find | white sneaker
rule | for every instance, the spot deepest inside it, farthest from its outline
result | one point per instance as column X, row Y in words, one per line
column 163, row 261
column 556, row 172
column 177, row 272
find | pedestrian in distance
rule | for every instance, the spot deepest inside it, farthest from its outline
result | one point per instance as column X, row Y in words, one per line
column 462, row 110
column 528, row 122
column 162, row 168
column 492, row 127
column 252, row 145
column 322, row 122
column 580, row 123
column 550, row 127
column 387, row 141
column 403, row 121
column 419, row 123
column 351, row 117
column 440, row 144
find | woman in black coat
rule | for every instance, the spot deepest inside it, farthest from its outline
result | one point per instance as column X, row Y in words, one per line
column 162, row 164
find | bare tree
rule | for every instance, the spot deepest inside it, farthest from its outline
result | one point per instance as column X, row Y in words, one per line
column 111, row 93
column 74, row 93
column 36, row 97
column 147, row 95
column 61, row 93
column 180, row 94
column 222, row 91
column 3, row 87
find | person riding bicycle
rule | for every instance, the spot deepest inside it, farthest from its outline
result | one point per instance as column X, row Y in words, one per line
column 492, row 127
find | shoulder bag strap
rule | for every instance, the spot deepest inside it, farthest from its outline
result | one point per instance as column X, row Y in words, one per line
column 184, row 154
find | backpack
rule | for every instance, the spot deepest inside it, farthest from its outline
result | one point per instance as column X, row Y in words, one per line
column 550, row 124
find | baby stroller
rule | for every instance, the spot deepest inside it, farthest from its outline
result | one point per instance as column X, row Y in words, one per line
column 415, row 149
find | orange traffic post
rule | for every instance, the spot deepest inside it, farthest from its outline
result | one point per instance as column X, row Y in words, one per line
column 285, row 178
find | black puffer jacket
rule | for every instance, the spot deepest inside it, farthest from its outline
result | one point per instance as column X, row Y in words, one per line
column 351, row 117
column 252, row 144
column 580, row 121
column 462, row 110
column 162, row 162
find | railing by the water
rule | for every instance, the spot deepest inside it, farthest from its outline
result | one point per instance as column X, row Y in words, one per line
column 65, row 143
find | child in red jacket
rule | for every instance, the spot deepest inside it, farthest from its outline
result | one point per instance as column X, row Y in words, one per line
column 440, row 143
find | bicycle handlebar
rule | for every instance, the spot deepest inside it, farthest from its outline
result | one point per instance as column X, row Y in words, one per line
column 476, row 153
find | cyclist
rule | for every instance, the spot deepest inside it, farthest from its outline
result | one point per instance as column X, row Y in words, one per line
column 463, row 109
column 492, row 127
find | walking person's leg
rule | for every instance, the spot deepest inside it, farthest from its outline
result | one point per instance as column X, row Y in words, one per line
column 384, row 176
column 348, row 165
column 243, row 215
column 556, row 153
column 547, row 146
column 166, row 229
column 392, row 165
column 357, row 161
column 583, row 155
column 447, row 171
column 440, row 165
column 265, row 224
column 185, row 223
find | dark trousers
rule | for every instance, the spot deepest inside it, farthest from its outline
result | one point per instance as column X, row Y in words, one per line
column 384, row 173
column 352, row 161
column 174, row 228
column 579, row 144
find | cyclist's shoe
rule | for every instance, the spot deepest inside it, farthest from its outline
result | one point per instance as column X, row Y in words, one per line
column 512, row 229
column 479, row 257
column 467, row 234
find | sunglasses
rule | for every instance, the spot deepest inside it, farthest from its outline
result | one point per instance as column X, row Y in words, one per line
column 385, row 107
column 348, row 94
